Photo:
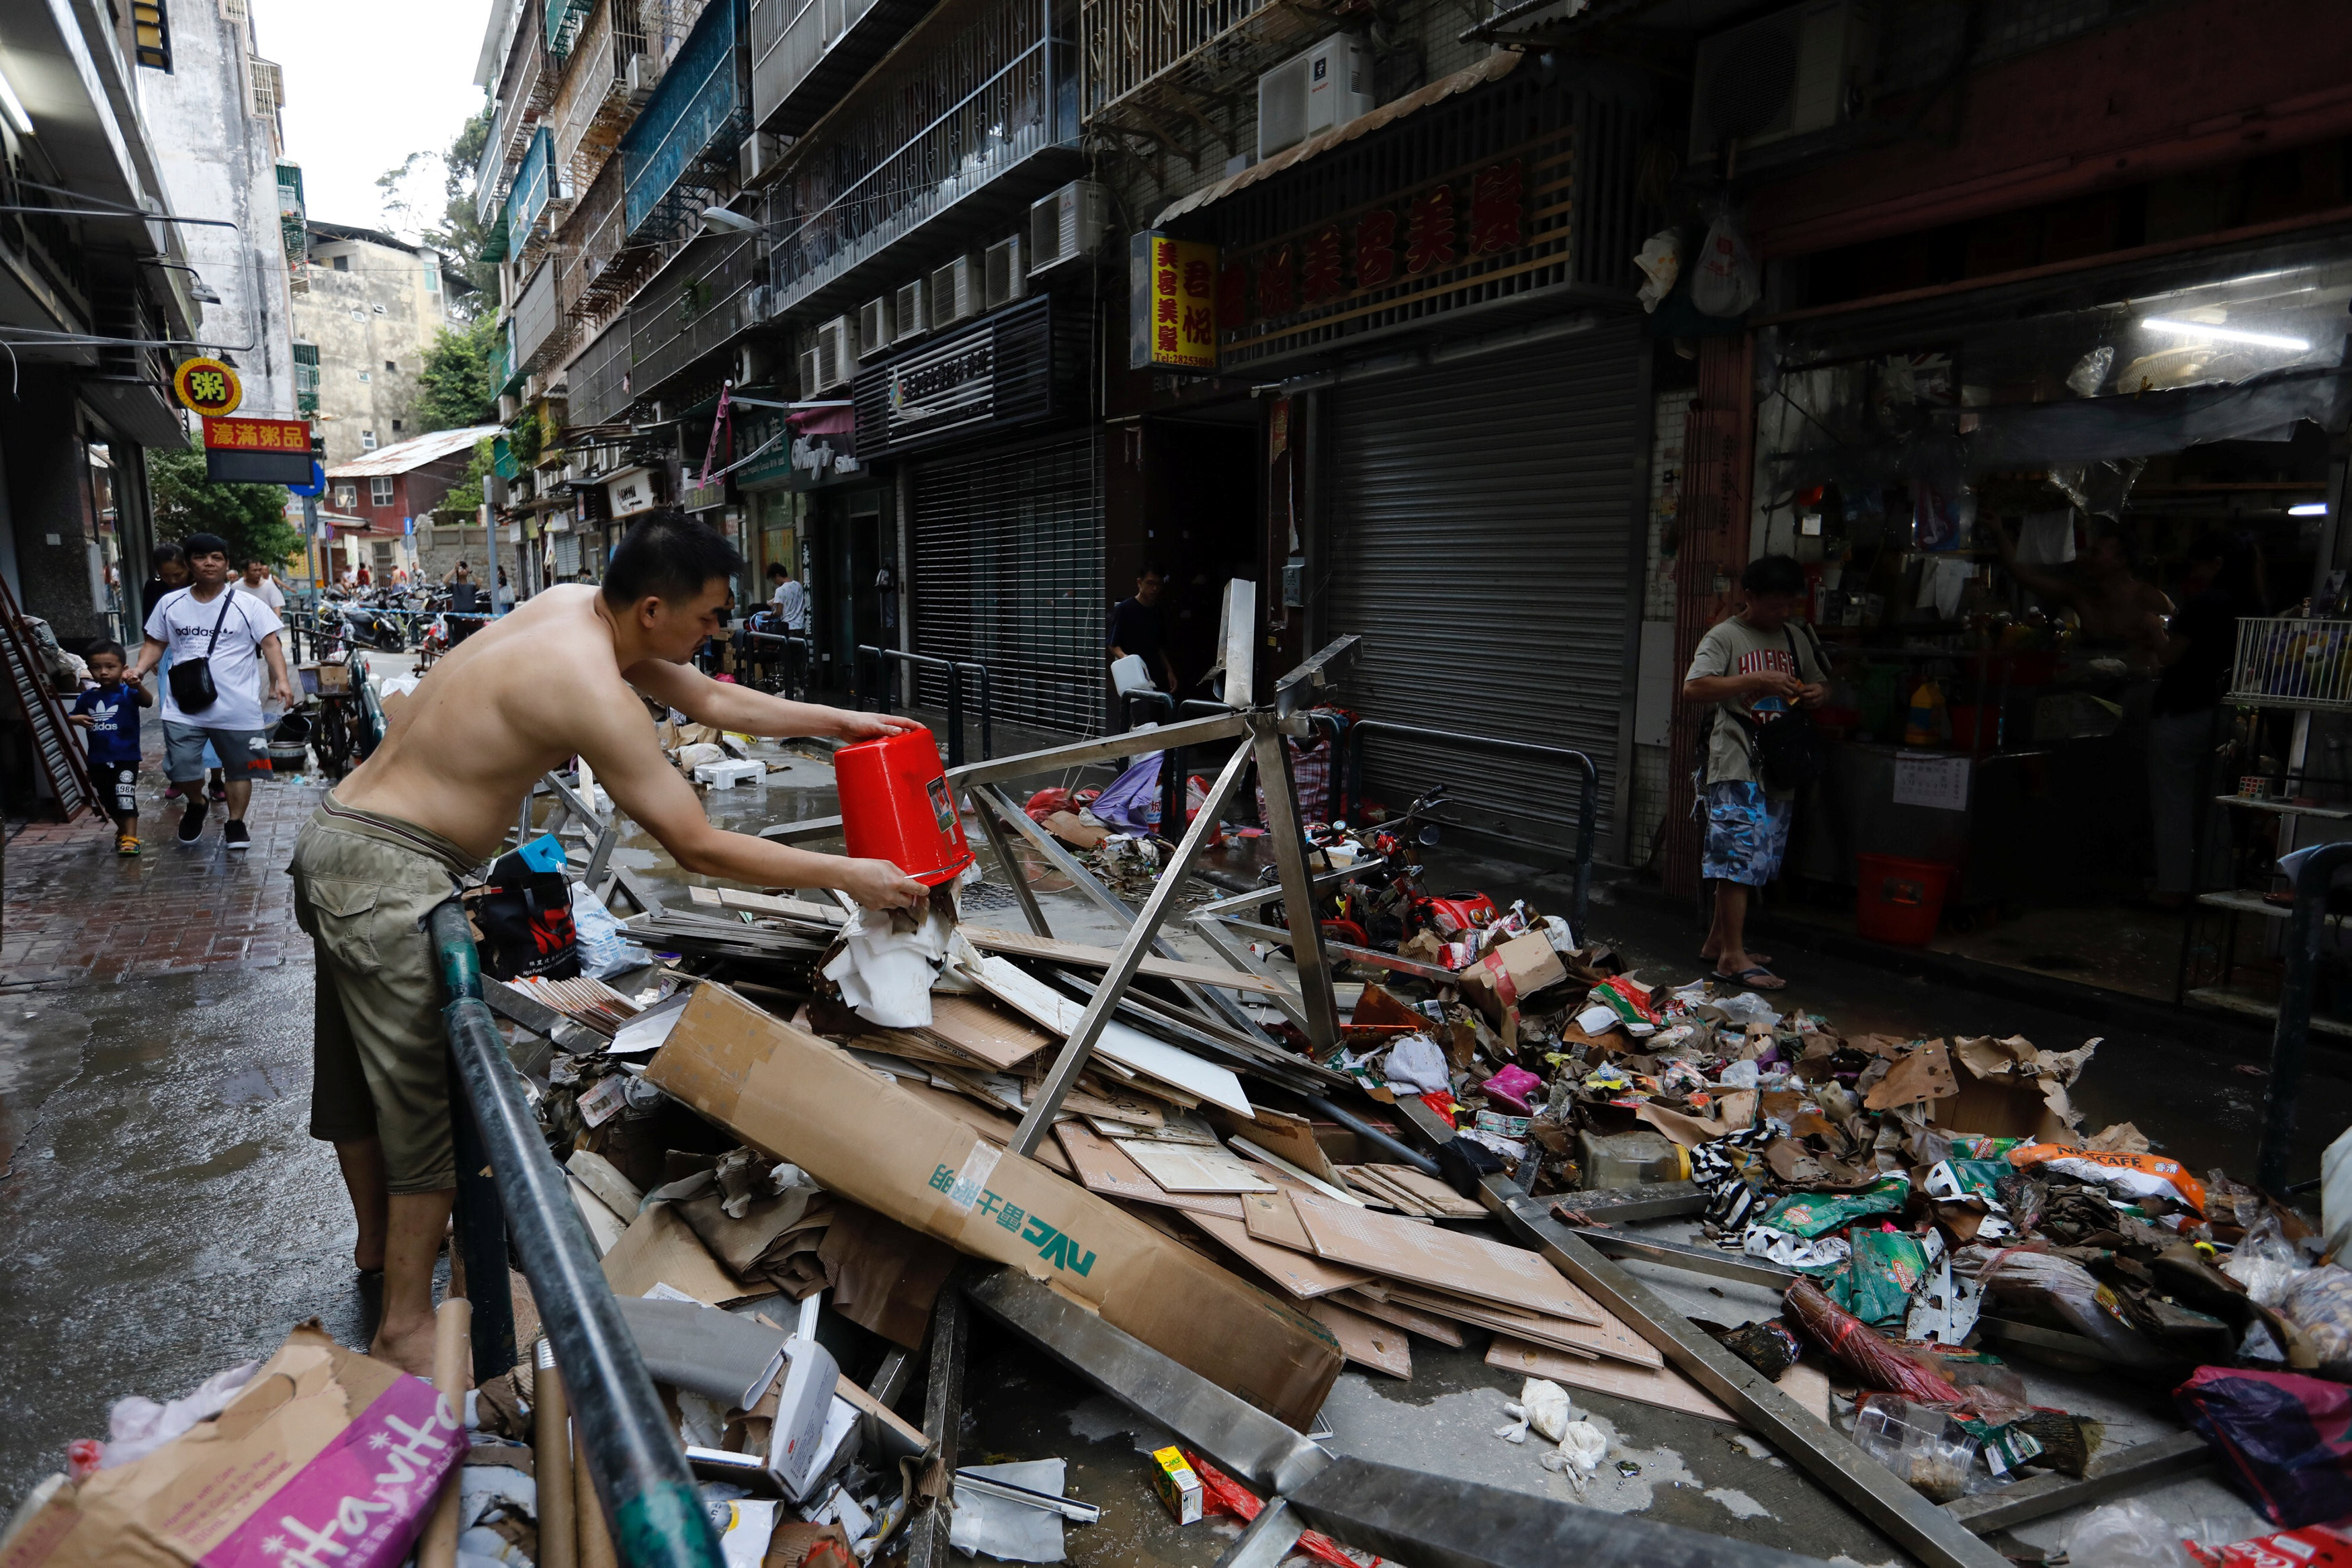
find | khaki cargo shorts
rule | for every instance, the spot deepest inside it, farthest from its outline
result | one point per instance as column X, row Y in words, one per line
column 364, row 884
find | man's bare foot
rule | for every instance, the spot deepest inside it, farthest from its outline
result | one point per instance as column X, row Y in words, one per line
column 1707, row 958
column 408, row 1347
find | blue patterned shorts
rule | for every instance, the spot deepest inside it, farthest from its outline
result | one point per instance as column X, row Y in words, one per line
column 1746, row 833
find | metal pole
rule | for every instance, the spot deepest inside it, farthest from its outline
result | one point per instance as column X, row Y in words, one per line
column 1290, row 839
column 955, row 712
column 2292, row 1035
column 481, row 1223
column 1073, row 1059
column 926, row 1543
column 987, row 709
column 649, row 1499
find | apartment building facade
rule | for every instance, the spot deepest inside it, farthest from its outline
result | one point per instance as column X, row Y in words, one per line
column 371, row 308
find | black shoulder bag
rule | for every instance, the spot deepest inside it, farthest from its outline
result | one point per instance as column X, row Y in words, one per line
column 524, row 921
column 192, row 679
column 1788, row 749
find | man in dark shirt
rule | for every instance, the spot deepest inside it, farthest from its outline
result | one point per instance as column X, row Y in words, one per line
column 1140, row 626
column 464, row 603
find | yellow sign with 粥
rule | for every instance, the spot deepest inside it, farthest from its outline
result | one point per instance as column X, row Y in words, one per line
column 208, row 387
column 1176, row 298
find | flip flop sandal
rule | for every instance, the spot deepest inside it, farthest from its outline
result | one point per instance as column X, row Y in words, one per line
column 1748, row 978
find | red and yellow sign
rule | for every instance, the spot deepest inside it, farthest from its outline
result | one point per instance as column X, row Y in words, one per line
column 257, row 435
column 1181, row 299
column 208, row 387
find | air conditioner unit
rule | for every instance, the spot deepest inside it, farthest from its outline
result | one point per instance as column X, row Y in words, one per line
column 874, row 325
column 836, row 348
column 1068, row 225
column 1309, row 94
column 955, row 289
column 1785, row 75
column 812, row 372
column 1003, row 278
column 643, row 72
column 907, row 316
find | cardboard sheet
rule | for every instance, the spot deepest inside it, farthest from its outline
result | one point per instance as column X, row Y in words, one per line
column 1448, row 1259
column 1130, row 1048
column 1664, row 1386
column 1188, row 1167
column 997, row 1129
column 1292, row 1138
column 1271, row 1219
column 793, row 1095
column 1367, row 1342
column 1429, row 1326
column 1925, row 1074
column 660, row 1249
column 1432, row 1193
column 1299, row 1274
column 989, row 1033
column 1611, row 1338
column 1103, row 1166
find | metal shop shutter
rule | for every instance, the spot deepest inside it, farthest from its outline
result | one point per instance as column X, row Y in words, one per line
column 1481, row 540
column 1008, row 560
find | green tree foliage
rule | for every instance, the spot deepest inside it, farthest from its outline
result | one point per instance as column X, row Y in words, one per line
column 455, row 231
column 453, row 390
column 251, row 517
column 466, row 495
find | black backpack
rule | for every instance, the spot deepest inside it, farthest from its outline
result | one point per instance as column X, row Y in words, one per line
column 1789, row 750
column 525, row 920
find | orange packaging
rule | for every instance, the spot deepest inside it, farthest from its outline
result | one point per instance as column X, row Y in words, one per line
column 2135, row 1175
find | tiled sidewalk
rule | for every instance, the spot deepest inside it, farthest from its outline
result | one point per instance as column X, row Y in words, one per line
column 73, row 912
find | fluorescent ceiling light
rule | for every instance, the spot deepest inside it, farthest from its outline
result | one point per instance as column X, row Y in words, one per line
column 718, row 220
column 2223, row 334
column 13, row 108
column 2308, row 509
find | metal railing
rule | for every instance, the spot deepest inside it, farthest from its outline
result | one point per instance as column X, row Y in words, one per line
column 631, row 1451
column 880, row 692
column 791, row 666
column 2293, row 663
column 1350, row 778
column 2306, row 927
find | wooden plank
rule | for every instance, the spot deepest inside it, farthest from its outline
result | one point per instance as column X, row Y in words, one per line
column 1364, row 1341
column 988, row 1032
column 768, row 903
column 1447, row 1260
column 1102, row 1168
column 1429, row 1326
column 1611, row 1338
column 1187, row 1168
column 1081, row 955
column 1271, row 1219
column 1300, row 1274
column 1120, row 1045
column 1434, row 1194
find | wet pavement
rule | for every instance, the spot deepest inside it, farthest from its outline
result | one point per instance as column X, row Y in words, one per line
column 163, row 1214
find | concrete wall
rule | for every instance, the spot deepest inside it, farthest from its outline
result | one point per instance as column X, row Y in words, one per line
column 219, row 160
column 377, row 312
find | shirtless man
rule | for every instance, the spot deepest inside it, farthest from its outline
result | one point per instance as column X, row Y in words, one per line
column 2114, row 606
column 558, row 678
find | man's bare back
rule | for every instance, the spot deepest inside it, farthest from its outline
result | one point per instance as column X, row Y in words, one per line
column 562, row 677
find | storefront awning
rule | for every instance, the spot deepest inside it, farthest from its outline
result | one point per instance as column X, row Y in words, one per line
column 1495, row 67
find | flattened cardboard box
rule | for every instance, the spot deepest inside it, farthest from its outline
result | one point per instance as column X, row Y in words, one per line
column 804, row 1100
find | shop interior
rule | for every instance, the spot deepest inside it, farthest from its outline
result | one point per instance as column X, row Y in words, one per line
column 2005, row 506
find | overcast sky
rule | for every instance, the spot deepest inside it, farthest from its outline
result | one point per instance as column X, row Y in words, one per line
column 367, row 83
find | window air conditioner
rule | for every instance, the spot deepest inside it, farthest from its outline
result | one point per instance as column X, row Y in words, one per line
column 1785, row 75
column 955, row 291
column 874, row 325
column 1309, row 94
column 907, row 316
column 837, row 350
column 755, row 157
column 643, row 71
column 1004, row 279
column 812, row 373
column 1068, row 225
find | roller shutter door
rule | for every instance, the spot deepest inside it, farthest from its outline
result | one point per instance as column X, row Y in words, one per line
column 1008, row 555
column 1481, row 543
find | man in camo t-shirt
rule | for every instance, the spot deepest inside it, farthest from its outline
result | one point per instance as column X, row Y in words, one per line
column 1757, row 663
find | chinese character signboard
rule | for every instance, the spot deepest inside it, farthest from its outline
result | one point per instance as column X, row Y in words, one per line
column 208, row 387
column 1172, row 309
column 257, row 451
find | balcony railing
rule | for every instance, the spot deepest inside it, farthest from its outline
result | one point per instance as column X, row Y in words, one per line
column 502, row 365
column 592, row 107
column 1172, row 57
column 977, row 103
column 694, row 307
column 538, row 322
column 525, row 88
column 564, row 20
column 690, row 126
column 599, row 378
column 533, row 180
column 806, row 54
column 603, row 265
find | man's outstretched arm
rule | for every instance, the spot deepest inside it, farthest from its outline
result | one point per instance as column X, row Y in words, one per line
column 724, row 706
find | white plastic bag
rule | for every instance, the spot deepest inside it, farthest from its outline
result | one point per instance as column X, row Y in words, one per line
column 2126, row 1535
column 1660, row 260
column 136, row 1427
column 604, row 947
column 1727, row 281
column 2265, row 1263
column 1415, row 1063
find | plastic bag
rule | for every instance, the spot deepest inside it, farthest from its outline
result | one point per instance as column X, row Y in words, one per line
column 2281, row 1439
column 1416, row 1063
column 2265, row 1263
column 2126, row 1535
column 2319, row 1303
column 1726, row 281
column 1812, row 1214
column 604, row 947
column 2067, row 1288
column 1878, row 1280
column 136, row 1427
column 2133, row 1175
column 1660, row 260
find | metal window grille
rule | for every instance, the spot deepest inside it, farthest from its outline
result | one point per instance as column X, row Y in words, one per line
column 956, row 116
column 525, row 88
column 2291, row 663
column 151, row 31
column 599, row 378
column 268, row 86
column 692, row 308
column 564, row 20
column 686, row 137
column 1172, row 57
column 1008, row 571
column 538, row 325
column 806, row 53
column 532, row 182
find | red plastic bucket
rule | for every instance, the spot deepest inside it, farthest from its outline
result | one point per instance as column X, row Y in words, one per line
column 1899, row 901
column 896, row 806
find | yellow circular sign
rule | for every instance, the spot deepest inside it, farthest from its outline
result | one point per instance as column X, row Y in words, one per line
column 208, row 387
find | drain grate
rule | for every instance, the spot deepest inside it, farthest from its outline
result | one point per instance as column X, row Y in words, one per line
column 989, row 896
